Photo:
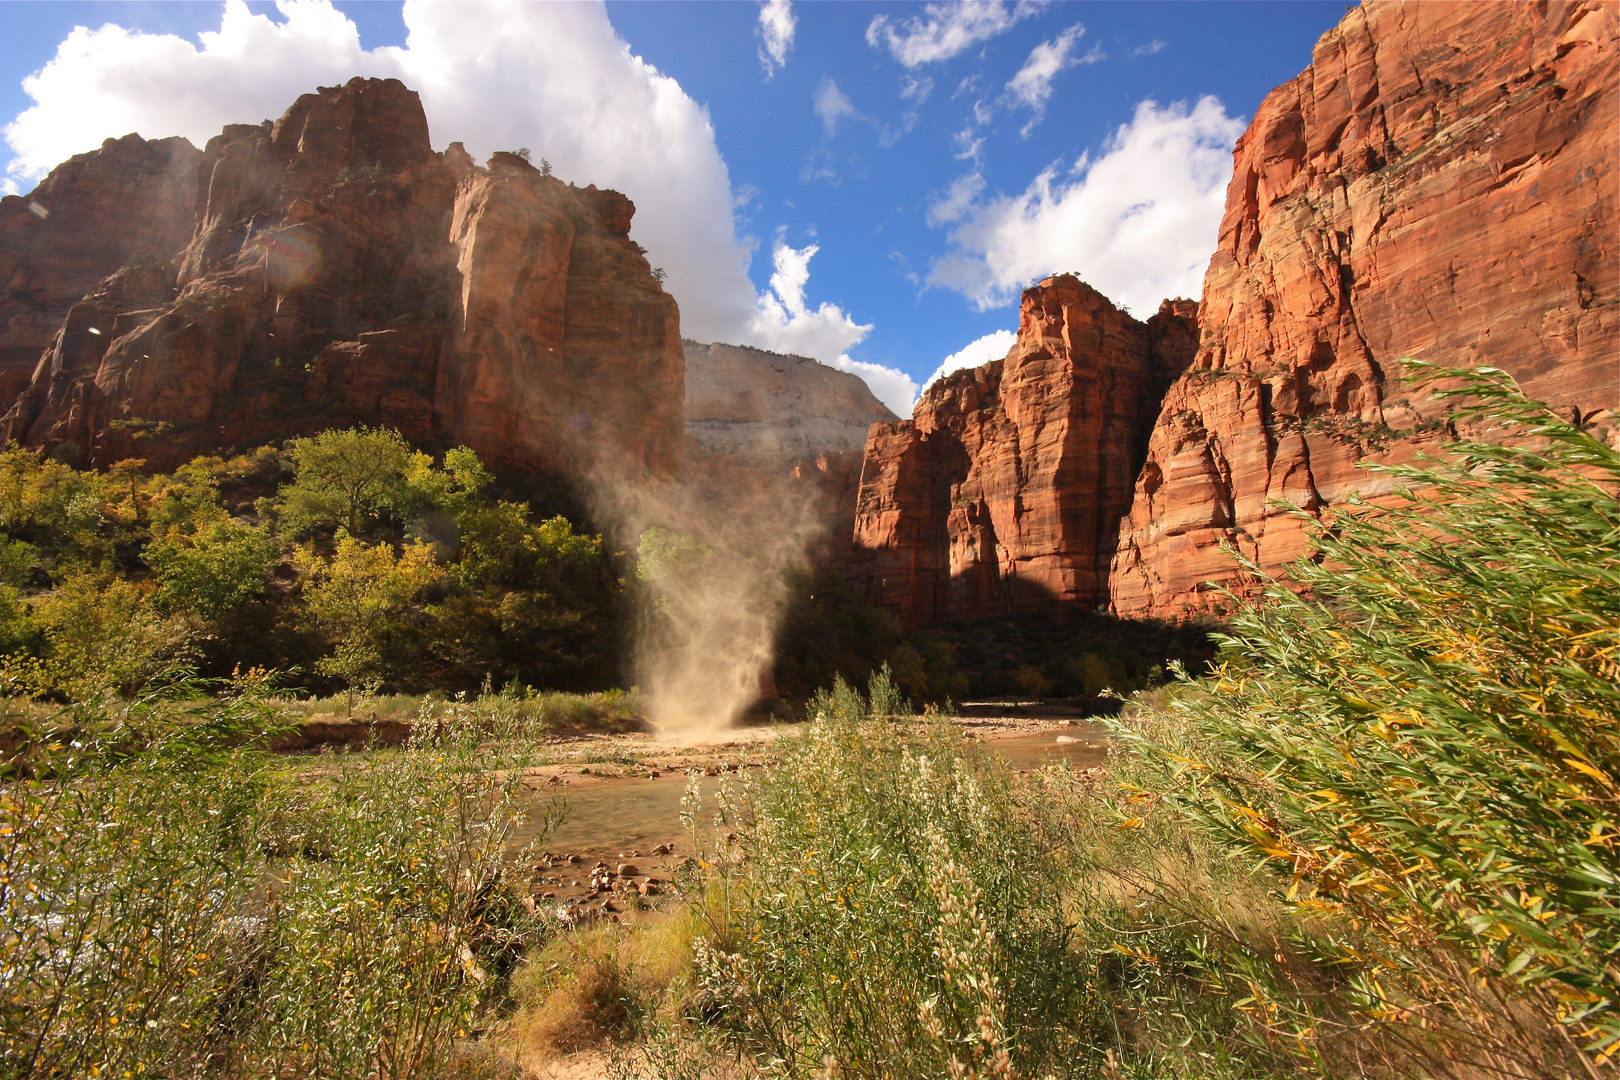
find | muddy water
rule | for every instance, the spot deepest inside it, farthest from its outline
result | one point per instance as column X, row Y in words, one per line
column 617, row 817
column 611, row 819
column 1087, row 751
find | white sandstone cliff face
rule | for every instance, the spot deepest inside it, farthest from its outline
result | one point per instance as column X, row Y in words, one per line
column 770, row 411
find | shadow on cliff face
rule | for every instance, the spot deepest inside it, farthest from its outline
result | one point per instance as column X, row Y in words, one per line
column 715, row 554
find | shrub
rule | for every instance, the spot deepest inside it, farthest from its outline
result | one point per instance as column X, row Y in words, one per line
column 1425, row 746
column 101, row 633
column 894, row 914
column 170, row 904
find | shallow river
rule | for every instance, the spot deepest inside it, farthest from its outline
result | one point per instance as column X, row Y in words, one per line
column 614, row 818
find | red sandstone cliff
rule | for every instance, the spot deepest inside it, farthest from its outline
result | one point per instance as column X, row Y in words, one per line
column 340, row 271
column 130, row 201
column 1005, row 490
column 1439, row 183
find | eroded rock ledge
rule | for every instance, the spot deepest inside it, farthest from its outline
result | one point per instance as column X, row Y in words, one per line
column 334, row 269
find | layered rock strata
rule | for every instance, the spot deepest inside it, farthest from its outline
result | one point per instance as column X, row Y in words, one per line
column 772, row 411
column 1440, row 183
column 130, row 202
column 1005, row 490
column 340, row 271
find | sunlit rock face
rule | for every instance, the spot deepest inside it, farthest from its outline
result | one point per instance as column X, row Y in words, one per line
column 563, row 345
column 132, row 201
column 1005, row 490
column 1439, row 183
column 340, row 271
column 772, row 411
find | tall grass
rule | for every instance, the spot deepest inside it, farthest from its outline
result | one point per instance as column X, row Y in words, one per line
column 173, row 902
column 885, row 912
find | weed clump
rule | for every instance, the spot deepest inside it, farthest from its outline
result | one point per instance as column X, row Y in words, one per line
column 885, row 907
column 172, row 903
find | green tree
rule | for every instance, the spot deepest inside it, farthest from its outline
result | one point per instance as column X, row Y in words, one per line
column 188, row 499
column 220, row 567
column 102, row 633
column 455, row 488
column 359, row 597
column 17, row 560
column 536, row 602
column 54, row 506
column 346, row 478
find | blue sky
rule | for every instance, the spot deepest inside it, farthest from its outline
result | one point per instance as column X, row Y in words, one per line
column 866, row 183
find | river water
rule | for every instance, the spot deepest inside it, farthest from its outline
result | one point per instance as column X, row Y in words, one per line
column 624, row 818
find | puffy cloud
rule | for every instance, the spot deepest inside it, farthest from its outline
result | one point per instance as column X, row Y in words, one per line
column 568, row 87
column 945, row 30
column 832, row 105
column 894, row 388
column 111, row 81
column 776, row 27
column 957, row 201
column 784, row 322
column 1138, row 223
column 990, row 347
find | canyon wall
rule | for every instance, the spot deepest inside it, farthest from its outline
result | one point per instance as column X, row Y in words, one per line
column 1005, row 490
column 336, row 270
column 773, row 411
column 129, row 202
column 1440, row 183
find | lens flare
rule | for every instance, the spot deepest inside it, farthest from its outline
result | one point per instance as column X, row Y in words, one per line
column 292, row 256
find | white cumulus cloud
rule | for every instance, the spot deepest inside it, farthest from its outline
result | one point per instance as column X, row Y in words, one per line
column 776, row 27
column 566, row 85
column 945, row 30
column 894, row 388
column 990, row 347
column 785, row 322
column 1138, row 223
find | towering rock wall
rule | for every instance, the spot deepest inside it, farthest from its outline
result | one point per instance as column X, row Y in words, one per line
column 771, row 411
column 564, row 346
column 1441, row 183
column 340, row 271
column 130, row 201
column 1006, row 489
